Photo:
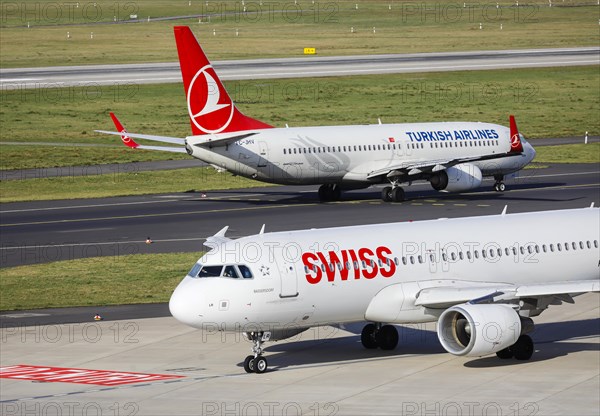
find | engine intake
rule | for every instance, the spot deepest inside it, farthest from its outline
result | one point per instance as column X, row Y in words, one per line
column 476, row 330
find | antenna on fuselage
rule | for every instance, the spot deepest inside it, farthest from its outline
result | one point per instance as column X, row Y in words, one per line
column 379, row 120
column 504, row 210
column 262, row 229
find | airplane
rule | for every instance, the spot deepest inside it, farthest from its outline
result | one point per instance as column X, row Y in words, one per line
column 452, row 156
column 482, row 279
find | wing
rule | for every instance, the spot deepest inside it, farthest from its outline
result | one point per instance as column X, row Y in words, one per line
column 534, row 297
column 409, row 169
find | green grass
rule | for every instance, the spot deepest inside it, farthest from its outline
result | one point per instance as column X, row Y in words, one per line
column 123, row 183
column 569, row 153
column 94, row 281
column 284, row 29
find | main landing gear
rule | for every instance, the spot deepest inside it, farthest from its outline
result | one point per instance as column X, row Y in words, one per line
column 392, row 194
column 330, row 192
column 499, row 185
column 379, row 336
column 521, row 350
column 256, row 363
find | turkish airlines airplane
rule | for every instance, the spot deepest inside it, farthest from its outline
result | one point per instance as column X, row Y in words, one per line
column 481, row 278
column 452, row 156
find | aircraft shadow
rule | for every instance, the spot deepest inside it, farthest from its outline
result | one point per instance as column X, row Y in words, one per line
column 293, row 197
column 315, row 347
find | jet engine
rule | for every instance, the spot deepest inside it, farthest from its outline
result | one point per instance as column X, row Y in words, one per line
column 476, row 330
column 457, row 178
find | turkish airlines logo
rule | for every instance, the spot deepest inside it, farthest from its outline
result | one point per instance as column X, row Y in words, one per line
column 209, row 106
column 514, row 141
column 125, row 138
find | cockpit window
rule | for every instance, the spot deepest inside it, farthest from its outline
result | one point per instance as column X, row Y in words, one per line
column 210, row 271
column 195, row 270
column 230, row 272
column 245, row 271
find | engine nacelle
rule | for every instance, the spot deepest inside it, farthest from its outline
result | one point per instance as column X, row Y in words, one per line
column 476, row 330
column 459, row 178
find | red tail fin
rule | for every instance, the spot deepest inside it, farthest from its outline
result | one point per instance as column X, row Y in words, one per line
column 210, row 108
column 515, row 140
column 124, row 137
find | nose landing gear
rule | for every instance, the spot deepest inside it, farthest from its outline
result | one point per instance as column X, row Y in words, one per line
column 256, row 363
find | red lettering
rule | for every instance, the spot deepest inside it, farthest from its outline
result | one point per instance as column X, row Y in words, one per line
column 309, row 259
column 387, row 261
column 365, row 256
column 329, row 267
column 354, row 260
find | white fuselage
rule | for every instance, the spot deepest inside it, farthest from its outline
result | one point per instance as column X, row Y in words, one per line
column 348, row 154
column 315, row 277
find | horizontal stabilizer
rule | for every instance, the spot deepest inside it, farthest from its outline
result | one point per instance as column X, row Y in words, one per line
column 164, row 139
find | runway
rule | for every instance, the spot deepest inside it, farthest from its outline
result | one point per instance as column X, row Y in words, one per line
column 316, row 66
column 38, row 232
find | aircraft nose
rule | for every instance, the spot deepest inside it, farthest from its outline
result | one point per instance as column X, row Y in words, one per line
column 530, row 151
column 183, row 304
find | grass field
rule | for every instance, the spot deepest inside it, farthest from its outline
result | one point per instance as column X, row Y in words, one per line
column 94, row 281
column 276, row 28
column 549, row 102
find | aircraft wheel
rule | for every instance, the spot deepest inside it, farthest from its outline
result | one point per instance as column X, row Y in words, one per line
column 523, row 348
column 505, row 354
column 398, row 194
column 386, row 194
column 260, row 364
column 367, row 336
column 249, row 364
column 501, row 187
column 387, row 337
column 324, row 193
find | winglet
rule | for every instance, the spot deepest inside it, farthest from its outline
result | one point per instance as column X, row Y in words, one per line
column 128, row 141
column 218, row 239
column 515, row 140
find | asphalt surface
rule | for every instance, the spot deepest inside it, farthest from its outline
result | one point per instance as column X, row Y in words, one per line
column 313, row 66
column 38, row 232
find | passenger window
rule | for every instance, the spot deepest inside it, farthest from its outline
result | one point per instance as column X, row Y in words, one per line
column 210, row 271
column 230, row 272
column 245, row 271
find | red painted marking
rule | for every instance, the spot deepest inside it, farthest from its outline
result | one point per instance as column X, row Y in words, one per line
column 78, row 375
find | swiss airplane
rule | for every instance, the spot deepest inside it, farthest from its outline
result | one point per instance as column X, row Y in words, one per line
column 452, row 156
column 481, row 278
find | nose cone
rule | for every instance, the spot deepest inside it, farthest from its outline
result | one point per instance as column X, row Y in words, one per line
column 529, row 151
column 184, row 303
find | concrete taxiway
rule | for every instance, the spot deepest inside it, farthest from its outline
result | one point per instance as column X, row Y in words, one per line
column 316, row 66
column 323, row 371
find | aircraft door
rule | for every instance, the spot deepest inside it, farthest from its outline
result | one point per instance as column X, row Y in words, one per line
column 263, row 154
column 287, row 275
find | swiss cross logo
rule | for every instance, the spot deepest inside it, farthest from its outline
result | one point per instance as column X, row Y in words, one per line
column 209, row 106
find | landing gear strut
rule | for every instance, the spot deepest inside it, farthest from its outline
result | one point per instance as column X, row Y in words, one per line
column 379, row 336
column 392, row 194
column 499, row 185
column 330, row 192
column 256, row 363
